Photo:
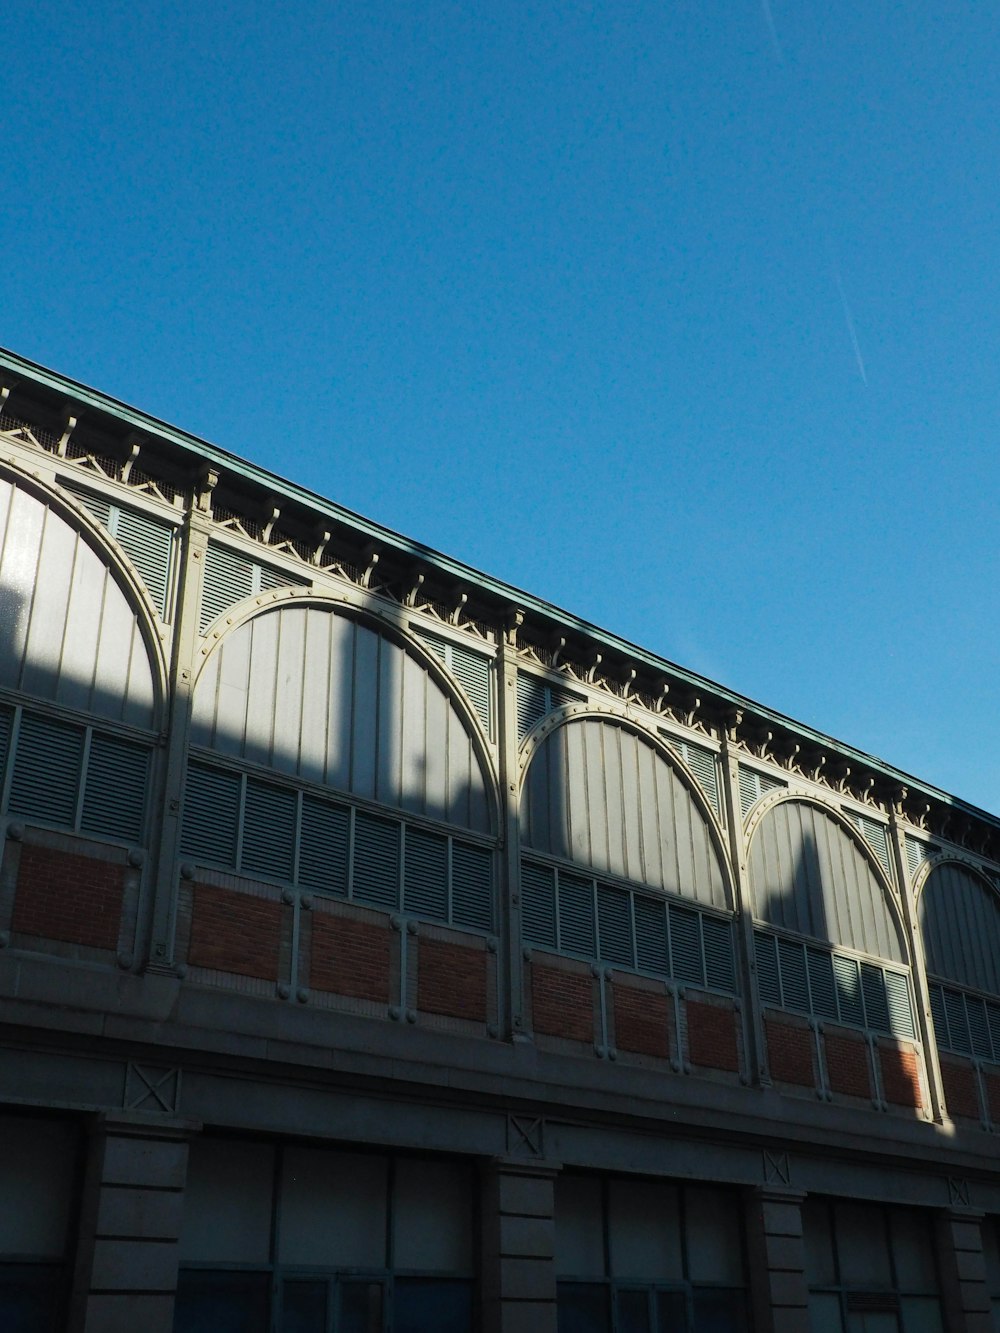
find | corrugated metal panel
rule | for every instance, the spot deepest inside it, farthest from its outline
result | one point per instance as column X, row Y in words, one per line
column 720, row 965
column 685, row 946
column 873, row 991
column 323, row 846
column 809, row 876
column 538, row 900
column 471, row 886
column 897, row 994
column 599, row 795
column 794, row 984
column 376, row 861
column 768, row 978
column 425, row 873
column 848, row 979
column 70, row 635
column 652, row 947
column 228, row 578
column 269, row 819
column 614, row 923
column 576, row 915
column 47, row 770
column 531, row 704
column 822, row 987
column 148, row 543
column 211, row 814
column 877, row 837
column 114, row 799
column 319, row 696
column 960, row 922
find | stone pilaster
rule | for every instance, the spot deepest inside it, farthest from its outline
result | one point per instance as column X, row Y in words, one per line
column 779, row 1288
column 518, row 1270
column 964, row 1290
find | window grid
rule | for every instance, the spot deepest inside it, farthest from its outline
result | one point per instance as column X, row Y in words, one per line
column 562, row 910
column 328, row 846
column 794, row 975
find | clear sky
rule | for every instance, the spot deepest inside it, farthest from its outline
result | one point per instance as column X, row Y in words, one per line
column 684, row 316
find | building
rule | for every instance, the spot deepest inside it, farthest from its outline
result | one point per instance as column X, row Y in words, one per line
column 385, row 948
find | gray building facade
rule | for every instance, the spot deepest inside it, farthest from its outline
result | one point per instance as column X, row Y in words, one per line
column 384, row 949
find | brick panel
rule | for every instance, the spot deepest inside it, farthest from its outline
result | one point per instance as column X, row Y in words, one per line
column 451, row 980
column 350, row 958
column 641, row 1020
column 847, row 1064
column 960, row 1092
column 68, row 897
column 901, row 1076
column 235, row 932
column 712, row 1036
column 562, row 1003
column 790, row 1052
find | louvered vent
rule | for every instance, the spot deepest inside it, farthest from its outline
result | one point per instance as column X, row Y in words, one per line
column 96, row 505
column 148, row 544
column 576, row 915
column 979, row 1029
column 965, row 1023
column 993, row 1015
column 959, row 1036
column 939, row 1016
column 897, row 994
column 651, row 944
column 753, row 786
column 532, row 703
column 266, row 578
column 376, row 861
column 702, row 763
column 538, row 905
column 114, row 798
column 822, row 986
column 916, row 852
column 425, row 875
column 873, row 991
column 876, row 835
column 470, row 669
column 614, row 923
column 6, row 724
column 794, row 983
column 47, row 770
column 228, row 577
column 471, row 887
column 845, row 971
column 720, row 965
column 768, row 980
column 211, row 815
column 323, row 846
column 269, row 817
column 685, row 945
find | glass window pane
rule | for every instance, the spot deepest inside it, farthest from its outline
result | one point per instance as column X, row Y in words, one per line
column 360, row 1307
column 991, row 1254
column 303, row 1307
column 632, row 1311
column 31, row 1298
column 433, row 1217
column 714, row 1236
column 227, row 1203
column 824, row 1313
column 221, row 1302
column 420, row 1305
column 579, row 1227
column 332, row 1209
column 644, row 1231
column 913, row 1250
column 871, row 1321
column 37, row 1159
column 817, row 1232
column 921, row 1314
column 862, row 1245
column 716, row 1311
column 671, row 1312
column 583, row 1307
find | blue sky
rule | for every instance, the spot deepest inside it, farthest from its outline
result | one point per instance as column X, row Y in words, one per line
column 684, row 316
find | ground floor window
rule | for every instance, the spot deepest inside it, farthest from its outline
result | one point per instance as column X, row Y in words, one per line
column 38, row 1176
column 645, row 1257
column 871, row 1269
column 304, row 1240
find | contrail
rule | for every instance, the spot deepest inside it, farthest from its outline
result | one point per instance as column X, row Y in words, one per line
column 769, row 20
column 849, row 319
